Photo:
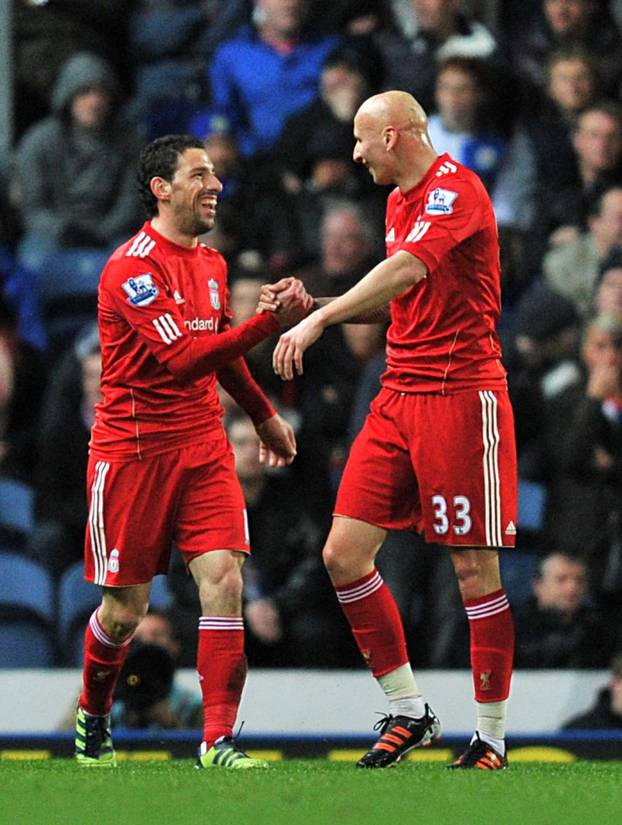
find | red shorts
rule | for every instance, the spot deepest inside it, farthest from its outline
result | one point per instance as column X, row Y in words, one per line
column 443, row 465
column 137, row 509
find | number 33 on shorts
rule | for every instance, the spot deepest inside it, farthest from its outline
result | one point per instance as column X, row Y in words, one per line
column 459, row 515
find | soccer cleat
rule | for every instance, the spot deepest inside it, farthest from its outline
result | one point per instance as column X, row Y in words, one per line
column 480, row 755
column 93, row 743
column 398, row 735
column 225, row 754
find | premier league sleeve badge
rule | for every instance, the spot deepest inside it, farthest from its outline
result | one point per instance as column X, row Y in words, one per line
column 140, row 289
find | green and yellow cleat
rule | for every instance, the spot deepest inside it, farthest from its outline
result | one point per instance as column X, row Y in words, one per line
column 225, row 754
column 93, row 743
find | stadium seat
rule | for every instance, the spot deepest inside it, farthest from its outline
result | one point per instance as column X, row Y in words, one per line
column 24, row 644
column 77, row 599
column 518, row 570
column 160, row 598
column 26, row 612
column 531, row 505
column 16, row 509
column 73, row 272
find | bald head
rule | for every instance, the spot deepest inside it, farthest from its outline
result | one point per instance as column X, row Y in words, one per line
column 391, row 132
column 397, row 109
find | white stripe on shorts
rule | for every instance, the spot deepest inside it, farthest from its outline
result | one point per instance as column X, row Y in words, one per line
column 492, row 496
column 96, row 522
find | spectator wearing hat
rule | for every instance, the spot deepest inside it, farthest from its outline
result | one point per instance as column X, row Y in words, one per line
column 74, row 178
column 425, row 33
column 606, row 713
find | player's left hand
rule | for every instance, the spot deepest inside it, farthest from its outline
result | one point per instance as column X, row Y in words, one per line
column 277, row 446
column 292, row 345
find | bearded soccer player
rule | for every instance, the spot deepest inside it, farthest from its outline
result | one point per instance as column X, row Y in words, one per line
column 160, row 467
column 437, row 452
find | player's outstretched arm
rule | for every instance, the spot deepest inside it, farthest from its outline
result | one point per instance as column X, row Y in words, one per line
column 277, row 446
column 387, row 280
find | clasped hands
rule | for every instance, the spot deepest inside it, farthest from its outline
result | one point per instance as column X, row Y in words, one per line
column 291, row 304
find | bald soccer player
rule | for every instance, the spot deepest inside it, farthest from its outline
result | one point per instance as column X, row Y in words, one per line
column 437, row 453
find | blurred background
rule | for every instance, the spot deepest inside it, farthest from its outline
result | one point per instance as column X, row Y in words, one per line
column 527, row 94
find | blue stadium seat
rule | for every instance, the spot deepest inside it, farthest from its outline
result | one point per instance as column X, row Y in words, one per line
column 26, row 612
column 25, row 644
column 518, row 570
column 160, row 598
column 77, row 599
column 16, row 507
column 73, row 272
column 531, row 505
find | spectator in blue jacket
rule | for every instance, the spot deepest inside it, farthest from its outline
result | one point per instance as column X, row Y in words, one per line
column 266, row 73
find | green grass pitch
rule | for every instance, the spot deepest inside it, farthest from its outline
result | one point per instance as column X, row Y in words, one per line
column 309, row 792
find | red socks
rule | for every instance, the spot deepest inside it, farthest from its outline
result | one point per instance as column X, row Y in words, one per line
column 221, row 664
column 492, row 645
column 375, row 621
column 103, row 660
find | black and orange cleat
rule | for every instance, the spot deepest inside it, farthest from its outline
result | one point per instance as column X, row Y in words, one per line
column 480, row 755
column 398, row 735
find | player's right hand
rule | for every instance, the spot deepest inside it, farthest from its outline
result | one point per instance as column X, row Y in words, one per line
column 288, row 299
column 277, row 446
column 292, row 345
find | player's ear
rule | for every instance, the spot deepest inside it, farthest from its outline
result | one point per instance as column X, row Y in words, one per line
column 389, row 136
column 161, row 188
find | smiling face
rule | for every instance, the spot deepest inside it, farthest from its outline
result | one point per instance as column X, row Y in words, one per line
column 370, row 148
column 193, row 193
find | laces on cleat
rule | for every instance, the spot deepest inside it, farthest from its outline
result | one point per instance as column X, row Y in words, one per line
column 398, row 735
column 93, row 742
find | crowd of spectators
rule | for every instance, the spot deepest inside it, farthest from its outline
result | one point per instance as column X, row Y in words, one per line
column 529, row 95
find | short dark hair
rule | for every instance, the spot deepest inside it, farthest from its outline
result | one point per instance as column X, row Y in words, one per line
column 159, row 160
column 476, row 68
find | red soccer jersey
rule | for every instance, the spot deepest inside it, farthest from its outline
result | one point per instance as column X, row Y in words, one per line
column 442, row 336
column 158, row 303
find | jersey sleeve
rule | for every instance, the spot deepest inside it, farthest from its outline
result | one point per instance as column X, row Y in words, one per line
column 452, row 212
column 136, row 291
column 237, row 380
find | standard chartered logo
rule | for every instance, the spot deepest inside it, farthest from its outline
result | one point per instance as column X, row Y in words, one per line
column 202, row 324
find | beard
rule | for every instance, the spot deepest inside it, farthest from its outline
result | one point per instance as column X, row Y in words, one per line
column 190, row 223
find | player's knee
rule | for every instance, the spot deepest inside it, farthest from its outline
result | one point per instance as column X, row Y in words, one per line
column 227, row 584
column 121, row 622
column 469, row 574
column 337, row 562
